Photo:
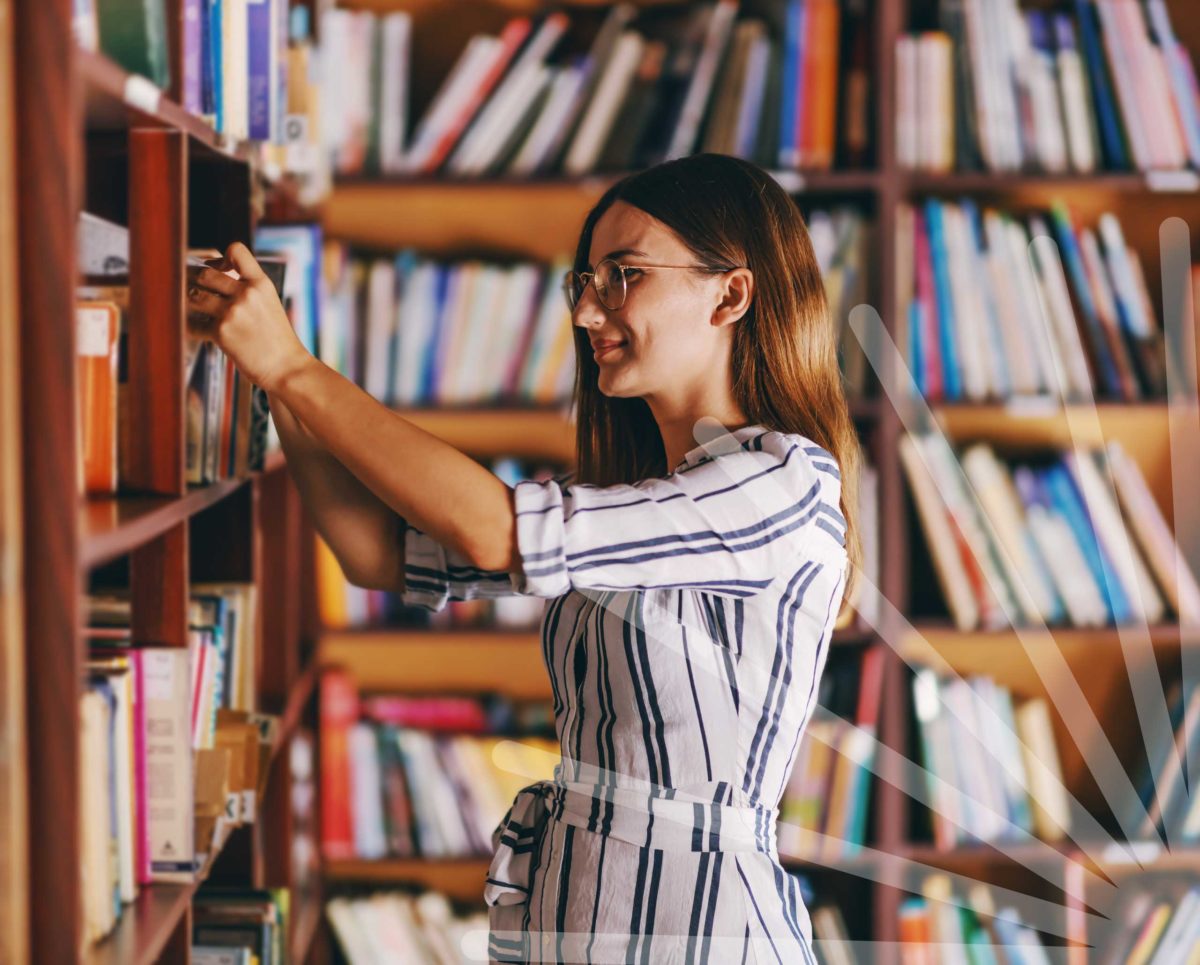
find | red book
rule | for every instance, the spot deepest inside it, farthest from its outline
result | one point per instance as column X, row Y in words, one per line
column 339, row 713
column 511, row 39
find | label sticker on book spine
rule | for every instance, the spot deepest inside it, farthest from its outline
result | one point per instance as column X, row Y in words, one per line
column 91, row 331
column 142, row 94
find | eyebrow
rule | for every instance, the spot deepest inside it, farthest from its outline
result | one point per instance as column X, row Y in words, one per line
column 617, row 254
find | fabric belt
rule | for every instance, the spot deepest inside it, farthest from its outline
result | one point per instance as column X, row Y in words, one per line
column 681, row 823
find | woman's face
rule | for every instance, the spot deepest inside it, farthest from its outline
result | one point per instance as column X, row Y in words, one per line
column 671, row 338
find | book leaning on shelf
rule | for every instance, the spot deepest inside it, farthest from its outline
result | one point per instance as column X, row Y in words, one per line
column 174, row 756
column 990, row 299
column 1105, row 85
column 1043, row 542
column 651, row 86
column 1158, row 922
column 425, row 776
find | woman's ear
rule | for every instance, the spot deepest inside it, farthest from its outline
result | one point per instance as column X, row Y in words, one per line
column 736, row 294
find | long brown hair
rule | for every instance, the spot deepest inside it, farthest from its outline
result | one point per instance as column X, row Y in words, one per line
column 731, row 213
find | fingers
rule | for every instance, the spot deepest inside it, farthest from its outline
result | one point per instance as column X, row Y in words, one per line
column 217, row 281
column 238, row 255
column 206, row 302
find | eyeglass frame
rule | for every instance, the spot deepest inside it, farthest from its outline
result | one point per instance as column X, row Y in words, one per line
column 588, row 278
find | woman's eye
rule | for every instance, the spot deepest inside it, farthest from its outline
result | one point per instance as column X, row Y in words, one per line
column 632, row 271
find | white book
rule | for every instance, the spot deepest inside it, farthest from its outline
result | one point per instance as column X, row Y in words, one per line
column 1123, row 70
column 1059, row 313
column 515, row 319
column 1051, row 811
column 551, row 314
column 412, row 332
column 565, row 84
column 695, row 102
column 1076, row 110
column 1122, row 273
column 610, row 93
column 525, row 99
column 1025, row 283
column 908, row 105
column 1020, row 364
column 1163, row 123
column 394, row 90
column 1154, row 535
column 471, row 152
column 1040, row 81
column 170, row 800
column 381, row 319
column 477, row 58
column 366, row 793
column 483, row 314
column 937, row 527
column 937, row 754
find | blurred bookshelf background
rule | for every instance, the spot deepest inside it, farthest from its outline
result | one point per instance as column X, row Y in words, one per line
column 999, row 768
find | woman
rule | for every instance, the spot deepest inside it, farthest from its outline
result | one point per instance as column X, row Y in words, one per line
column 693, row 567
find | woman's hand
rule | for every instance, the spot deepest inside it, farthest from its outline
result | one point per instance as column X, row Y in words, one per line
column 245, row 318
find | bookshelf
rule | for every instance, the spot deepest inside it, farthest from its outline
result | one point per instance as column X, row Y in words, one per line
column 92, row 139
column 539, row 218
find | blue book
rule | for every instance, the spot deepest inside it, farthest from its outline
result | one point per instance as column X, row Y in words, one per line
column 945, row 302
column 258, row 64
column 1064, row 233
column 916, row 357
column 793, row 58
column 430, row 374
column 1112, row 135
column 406, row 264
column 215, row 64
column 1068, row 501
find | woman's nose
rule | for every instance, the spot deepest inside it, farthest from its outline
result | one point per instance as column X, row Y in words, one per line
column 588, row 313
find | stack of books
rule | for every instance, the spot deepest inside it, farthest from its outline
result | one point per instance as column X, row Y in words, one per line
column 997, row 305
column 828, row 792
column 790, row 90
column 1046, row 542
column 240, row 926
column 977, row 745
column 174, row 754
column 422, row 777
column 1107, row 85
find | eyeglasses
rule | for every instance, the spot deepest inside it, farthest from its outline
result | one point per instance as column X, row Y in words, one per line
column 609, row 279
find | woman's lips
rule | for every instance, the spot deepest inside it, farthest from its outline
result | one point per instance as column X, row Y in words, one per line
column 602, row 350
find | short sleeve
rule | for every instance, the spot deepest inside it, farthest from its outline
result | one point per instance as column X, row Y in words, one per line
column 434, row 574
column 730, row 524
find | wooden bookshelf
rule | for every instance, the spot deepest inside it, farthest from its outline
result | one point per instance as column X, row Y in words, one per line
column 94, row 139
column 539, row 219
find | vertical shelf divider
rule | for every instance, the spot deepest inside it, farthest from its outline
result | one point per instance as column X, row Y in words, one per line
column 157, row 239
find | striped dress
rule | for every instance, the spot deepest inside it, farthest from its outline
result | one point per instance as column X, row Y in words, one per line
column 687, row 623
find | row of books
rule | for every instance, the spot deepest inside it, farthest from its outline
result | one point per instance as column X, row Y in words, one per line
column 828, row 792
column 240, row 926
column 395, row 926
column 652, row 86
column 226, row 415
column 341, row 604
column 1158, row 923
column 391, row 788
column 1168, row 808
column 997, row 305
column 170, row 765
column 1110, row 87
column 978, row 745
column 235, row 56
column 1046, row 541
column 939, row 928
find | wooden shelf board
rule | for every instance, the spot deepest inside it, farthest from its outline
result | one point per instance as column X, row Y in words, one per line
column 947, row 640
column 109, row 105
column 986, row 181
column 442, row 216
column 459, row 878
column 144, row 929
column 437, row 662
column 488, row 433
column 111, row 526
